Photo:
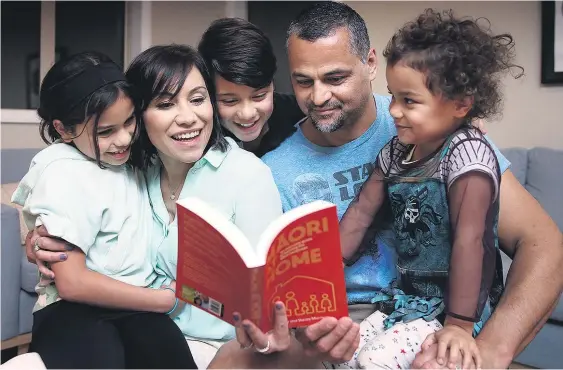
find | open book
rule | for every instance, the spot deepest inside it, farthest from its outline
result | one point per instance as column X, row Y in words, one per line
column 297, row 261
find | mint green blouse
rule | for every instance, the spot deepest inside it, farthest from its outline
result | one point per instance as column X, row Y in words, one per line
column 242, row 188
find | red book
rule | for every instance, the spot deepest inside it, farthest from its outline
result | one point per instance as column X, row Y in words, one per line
column 297, row 261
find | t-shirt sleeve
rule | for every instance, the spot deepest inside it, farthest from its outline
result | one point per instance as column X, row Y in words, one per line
column 65, row 206
column 504, row 163
column 472, row 154
column 473, row 183
column 258, row 204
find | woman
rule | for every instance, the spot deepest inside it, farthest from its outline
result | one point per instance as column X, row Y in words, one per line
column 189, row 157
column 243, row 64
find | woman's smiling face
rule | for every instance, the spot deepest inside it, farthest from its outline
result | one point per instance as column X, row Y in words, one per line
column 180, row 126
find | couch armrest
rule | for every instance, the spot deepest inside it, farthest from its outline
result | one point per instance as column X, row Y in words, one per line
column 12, row 252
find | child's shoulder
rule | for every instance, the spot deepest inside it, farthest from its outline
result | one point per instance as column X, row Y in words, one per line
column 59, row 153
column 467, row 142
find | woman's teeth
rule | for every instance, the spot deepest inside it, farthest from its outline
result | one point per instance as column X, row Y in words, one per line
column 246, row 124
column 187, row 135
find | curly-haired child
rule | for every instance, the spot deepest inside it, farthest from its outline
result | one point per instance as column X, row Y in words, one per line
column 442, row 180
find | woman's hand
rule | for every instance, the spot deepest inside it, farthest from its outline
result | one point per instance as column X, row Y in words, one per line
column 459, row 343
column 41, row 249
column 277, row 340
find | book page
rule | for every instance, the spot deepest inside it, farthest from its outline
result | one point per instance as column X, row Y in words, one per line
column 210, row 273
column 304, row 270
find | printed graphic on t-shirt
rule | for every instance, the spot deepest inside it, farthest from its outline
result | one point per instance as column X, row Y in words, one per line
column 309, row 187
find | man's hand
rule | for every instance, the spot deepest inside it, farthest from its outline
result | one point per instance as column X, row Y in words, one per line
column 50, row 249
column 277, row 340
column 330, row 339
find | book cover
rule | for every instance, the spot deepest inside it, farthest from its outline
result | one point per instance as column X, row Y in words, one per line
column 297, row 261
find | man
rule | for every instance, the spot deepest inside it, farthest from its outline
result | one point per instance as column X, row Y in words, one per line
column 332, row 67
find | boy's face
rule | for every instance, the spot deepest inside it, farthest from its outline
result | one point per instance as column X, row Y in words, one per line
column 244, row 110
column 421, row 117
column 331, row 83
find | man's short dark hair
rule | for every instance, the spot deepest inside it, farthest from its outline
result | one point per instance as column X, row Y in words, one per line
column 324, row 18
column 239, row 52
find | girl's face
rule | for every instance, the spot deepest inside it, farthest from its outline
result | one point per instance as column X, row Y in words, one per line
column 180, row 127
column 115, row 132
column 421, row 118
column 244, row 110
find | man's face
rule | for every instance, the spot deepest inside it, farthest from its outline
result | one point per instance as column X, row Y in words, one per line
column 331, row 83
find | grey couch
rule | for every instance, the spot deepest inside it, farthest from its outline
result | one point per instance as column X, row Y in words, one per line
column 19, row 277
column 540, row 170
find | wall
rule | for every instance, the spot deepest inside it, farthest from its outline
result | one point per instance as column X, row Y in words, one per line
column 183, row 22
column 532, row 113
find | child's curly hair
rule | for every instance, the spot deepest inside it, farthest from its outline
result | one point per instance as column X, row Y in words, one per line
column 460, row 58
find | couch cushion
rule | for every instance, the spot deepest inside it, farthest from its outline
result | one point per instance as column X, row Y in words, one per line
column 15, row 163
column 545, row 180
column 518, row 158
column 6, row 197
column 29, row 275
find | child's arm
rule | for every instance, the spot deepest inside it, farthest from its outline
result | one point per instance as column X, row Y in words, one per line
column 359, row 216
column 473, row 181
column 75, row 282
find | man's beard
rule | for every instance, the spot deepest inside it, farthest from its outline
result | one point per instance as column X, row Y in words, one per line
column 336, row 123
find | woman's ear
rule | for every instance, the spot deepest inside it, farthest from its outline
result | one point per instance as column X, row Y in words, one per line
column 65, row 135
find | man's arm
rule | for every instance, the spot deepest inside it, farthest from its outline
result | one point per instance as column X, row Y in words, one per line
column 534, row 282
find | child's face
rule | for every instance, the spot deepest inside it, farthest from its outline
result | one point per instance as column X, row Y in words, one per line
column 115, row 131
column 421, row 118
column 244, row 110
column 180, row 127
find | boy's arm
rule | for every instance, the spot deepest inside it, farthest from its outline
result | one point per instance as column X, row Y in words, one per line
column 360, row 214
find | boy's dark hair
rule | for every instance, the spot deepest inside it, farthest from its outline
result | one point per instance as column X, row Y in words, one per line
column 164, row 69
column 54, row 91
column 460, row 58
column 324, row 18
column 239, row 52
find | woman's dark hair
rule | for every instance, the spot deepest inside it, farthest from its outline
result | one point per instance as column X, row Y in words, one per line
column 163, row 69
column 239, row 52
column 459, row 58
column 54, row 93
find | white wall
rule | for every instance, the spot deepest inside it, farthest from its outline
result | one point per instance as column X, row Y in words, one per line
column 183, row 22
column 532, row 113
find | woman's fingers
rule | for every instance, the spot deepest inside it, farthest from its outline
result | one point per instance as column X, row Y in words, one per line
column 280, row 338
column 257, row 336
column 242, row 336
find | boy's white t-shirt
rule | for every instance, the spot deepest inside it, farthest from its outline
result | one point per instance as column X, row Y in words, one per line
column 104, row 212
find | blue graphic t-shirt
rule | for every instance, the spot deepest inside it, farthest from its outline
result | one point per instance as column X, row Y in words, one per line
column 305, row 172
